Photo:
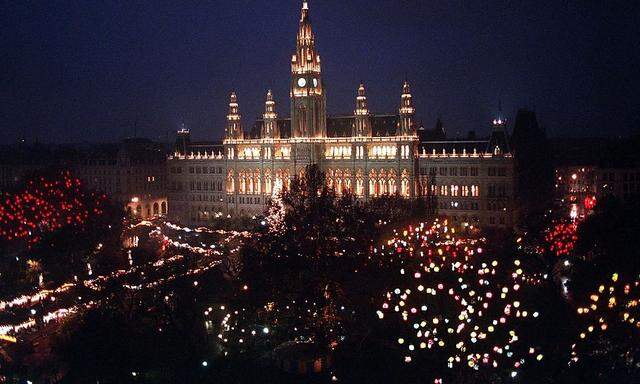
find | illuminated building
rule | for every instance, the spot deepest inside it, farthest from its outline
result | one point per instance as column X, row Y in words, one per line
column 365, row 154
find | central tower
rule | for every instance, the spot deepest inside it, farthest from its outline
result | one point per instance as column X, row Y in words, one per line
column 308, row 99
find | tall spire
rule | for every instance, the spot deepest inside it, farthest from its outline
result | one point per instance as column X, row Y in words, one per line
column 406, row 127
column 234, row 128
column 362, row 125
column 270, row 125
column 308, row 98
column 306, row 59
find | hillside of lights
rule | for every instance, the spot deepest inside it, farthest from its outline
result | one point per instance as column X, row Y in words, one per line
column 457, row 304
column 454, row 304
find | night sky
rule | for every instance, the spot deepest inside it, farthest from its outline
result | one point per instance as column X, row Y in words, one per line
column 76, row 71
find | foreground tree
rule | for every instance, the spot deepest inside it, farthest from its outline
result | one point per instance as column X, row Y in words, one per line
column 605, row 291
column 157, row 337
column 308, row 278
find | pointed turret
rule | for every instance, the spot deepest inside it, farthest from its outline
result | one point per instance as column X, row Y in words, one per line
column 234, row 127
column 362, row 125
column 270, row 126
column 406, row 127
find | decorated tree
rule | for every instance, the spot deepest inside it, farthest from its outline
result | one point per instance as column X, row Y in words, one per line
column 274, row 219
column 46, row 203
column 561, row 238
column 39, row 219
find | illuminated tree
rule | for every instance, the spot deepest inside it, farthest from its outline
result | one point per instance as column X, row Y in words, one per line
column 561, row 238
column 46, row 203
column 54, row 221
column 276, row 211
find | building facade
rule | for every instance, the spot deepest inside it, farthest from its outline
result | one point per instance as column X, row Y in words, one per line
column 366, row 154
column 579, row 187
column 132, row 173
column 590, row 169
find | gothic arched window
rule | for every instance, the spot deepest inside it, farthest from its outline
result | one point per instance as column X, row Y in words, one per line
column 373, row 185
column 267, row 181
column 404, row 189
column 382, row 182
column 231, row 182
column 347, row 181
column 392, row 182
column 359, row 183
column 257, row 183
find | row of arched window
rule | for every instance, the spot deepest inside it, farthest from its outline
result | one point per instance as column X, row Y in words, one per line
column 253, row 182
column 380, row 182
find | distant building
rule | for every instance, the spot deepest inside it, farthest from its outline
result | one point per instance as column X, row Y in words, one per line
column 368, row 155
column 132, row 173
column 587, row 168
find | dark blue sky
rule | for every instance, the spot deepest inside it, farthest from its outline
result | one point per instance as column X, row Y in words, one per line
column 88, row 70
